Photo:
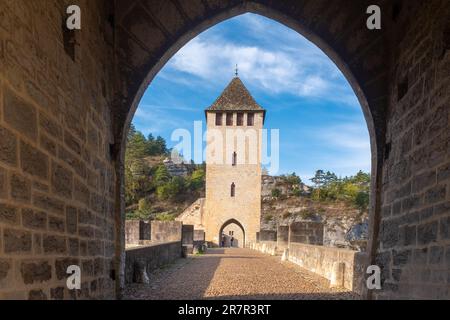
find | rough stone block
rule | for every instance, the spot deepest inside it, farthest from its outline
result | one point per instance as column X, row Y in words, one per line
column 94, row 247
column 427, row 233
column 162, row 231
column 48, row 144
column 56, row 224
column 73, row 161
column 35, row 271
column 436, row 255
column 50, row 126
column 436, row 194
column 72, row 143
column 444, row 229
column 8, row 147
column 86, row 231
column 55, row 244
column 199, row 235
column 71, row 220
column 8, row 214
column 400, row 258
column 16, row 241
column 37, row 295
column 33, row 161
column 424, row 180
column 5, row 267
column 34, row 219
column 389, row 233
column 20, row 188
column 37, row 244
column 306, row 232
column 20, row 115
column 443, row 173
column 187, row 237
column 81, row 192
column 48, row 203
column 57, row 293
column 3, row 184
column 74, row 247
column 267, row 235
column 62, row 181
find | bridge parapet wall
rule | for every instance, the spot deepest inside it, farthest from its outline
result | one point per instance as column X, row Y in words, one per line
column 344, row 268
column 327, row 262
column 143, row 259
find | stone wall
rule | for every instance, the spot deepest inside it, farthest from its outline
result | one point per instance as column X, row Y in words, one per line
column 57, row 179
column 194, row 214
column 306, row 232
column 267, row 235
column 141, row 260
column 282, row 237
column 187, row 238
column 267, row 247
column 322, row 260
column 137, row 230
column 199, row 235
column 166, row 231
column 414, row 237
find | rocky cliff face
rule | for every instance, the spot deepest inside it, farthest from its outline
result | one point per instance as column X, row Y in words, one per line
column 344, row 226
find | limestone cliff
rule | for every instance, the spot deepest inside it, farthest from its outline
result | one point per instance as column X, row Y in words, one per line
column 345, row 226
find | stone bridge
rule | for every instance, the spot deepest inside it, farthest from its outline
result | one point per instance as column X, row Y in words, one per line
column 67, row 99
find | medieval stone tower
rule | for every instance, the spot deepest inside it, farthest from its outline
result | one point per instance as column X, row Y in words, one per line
column 233, row 165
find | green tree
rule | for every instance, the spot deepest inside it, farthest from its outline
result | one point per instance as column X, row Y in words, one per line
column 362, row 200
column 171, row 189
column 136, row 146
column 276, row 193
column 161, row 176
column 319, row 178
column 293, row 179
column 197, row 179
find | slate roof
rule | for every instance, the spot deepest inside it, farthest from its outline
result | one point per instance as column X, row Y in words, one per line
column 235, row 97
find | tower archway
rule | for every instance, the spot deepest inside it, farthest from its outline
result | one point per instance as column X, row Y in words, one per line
column 232, row 226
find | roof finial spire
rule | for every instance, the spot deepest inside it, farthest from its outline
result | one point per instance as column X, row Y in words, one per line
column 236, row 73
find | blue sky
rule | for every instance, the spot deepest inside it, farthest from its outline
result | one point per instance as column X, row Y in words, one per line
column 306, row 96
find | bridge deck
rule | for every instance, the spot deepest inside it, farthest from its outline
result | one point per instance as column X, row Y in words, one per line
column 234, row 274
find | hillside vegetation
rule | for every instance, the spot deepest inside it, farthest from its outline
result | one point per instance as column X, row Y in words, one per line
column 151, row 192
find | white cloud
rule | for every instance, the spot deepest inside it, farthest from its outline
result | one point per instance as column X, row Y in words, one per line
column 353, row 137
column 300, row 69
column 157, row 119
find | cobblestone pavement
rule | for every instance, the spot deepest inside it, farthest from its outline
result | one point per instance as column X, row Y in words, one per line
column 234, row 274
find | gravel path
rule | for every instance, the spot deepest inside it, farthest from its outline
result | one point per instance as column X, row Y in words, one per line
column 234, row 274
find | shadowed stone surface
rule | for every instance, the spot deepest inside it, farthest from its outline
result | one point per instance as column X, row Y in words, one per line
column 234, row 274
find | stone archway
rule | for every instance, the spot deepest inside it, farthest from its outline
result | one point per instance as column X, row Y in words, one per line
column 239, row 225
column 388, row 70
column 67, row 98
column 366, row 77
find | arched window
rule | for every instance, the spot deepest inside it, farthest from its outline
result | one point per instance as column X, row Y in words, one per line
column 234, row 159
column 233, row 189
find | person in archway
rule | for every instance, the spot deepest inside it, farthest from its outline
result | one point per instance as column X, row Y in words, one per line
column 223, row 240
column 231, row 241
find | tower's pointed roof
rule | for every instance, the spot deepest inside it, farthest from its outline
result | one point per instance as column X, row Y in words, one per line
column 235, row 97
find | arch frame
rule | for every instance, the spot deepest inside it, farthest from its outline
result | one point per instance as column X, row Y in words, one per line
column 232, row 221
column 376, row 131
